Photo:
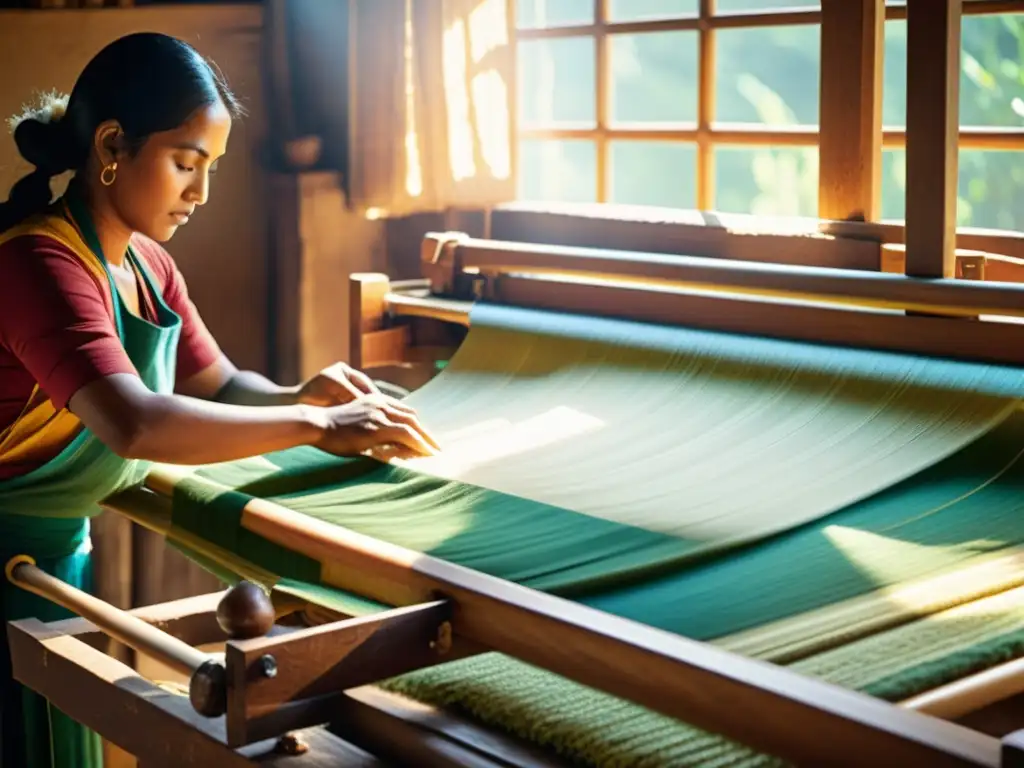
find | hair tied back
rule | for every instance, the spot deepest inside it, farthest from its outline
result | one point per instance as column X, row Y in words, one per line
column 49, row 109
column 38, row 132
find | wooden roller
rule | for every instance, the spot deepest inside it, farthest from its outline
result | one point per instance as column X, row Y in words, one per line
column 244, row 615
column 447, row 256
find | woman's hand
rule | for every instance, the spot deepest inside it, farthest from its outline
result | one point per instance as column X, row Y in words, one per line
column 337, row 385
column 375, row 425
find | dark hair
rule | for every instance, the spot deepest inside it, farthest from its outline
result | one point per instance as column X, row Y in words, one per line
column 147, row 82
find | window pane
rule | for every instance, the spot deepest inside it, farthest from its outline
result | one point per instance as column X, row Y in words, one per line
column 658, row 173
column 991, row 73
column 992, row 81
column 642, row 10
column 654, row 77
column 732, row 6
column 553, row 13
column 556, row 81
column 988, row 188
column 767, row 181
column 562, row 171
column 768, row 75
column 894, row 184
column 894, row 75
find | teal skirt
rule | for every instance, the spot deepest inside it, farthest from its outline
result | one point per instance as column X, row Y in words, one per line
column 33, row 733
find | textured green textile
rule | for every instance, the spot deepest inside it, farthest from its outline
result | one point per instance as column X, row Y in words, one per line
column 961, row 511
column 590, row 728
column 530, row 543
column 963, row 508
column 909, row 531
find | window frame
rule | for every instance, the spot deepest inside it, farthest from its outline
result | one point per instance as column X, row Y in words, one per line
column 707, row 134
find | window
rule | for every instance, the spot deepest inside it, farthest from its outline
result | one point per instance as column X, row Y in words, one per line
column 713, row 104
column 663, row 103
column 991, row 169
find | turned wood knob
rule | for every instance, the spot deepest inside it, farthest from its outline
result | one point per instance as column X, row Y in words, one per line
column 245, row 611
column 207, row 690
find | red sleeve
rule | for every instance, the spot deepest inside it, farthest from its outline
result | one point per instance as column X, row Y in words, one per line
column 55, row 318
column 197, row 349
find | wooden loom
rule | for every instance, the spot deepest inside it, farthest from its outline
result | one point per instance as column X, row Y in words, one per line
column 303, row 695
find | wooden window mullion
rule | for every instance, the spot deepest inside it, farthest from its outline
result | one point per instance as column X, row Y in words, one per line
column 602, row 72
column 933, row 117
column 850, row 109
column 705, row 107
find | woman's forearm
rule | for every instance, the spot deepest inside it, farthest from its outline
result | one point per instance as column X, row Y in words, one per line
column 181, row 430
column 251, row 388
column 136, row 423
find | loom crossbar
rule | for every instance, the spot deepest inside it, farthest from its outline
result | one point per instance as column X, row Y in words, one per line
column 445, row 258
column 958, row 338
column 280, row 683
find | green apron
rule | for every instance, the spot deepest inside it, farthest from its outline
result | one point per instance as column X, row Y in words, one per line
column 45, row 514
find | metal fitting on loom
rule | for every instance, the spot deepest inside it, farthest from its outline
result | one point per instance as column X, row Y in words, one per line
column 266, row 665
column 443, row 642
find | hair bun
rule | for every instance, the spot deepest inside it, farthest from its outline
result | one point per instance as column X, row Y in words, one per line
column 40, row 135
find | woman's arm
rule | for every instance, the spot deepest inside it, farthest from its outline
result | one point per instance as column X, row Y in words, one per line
column 174, row 429
column 222, row 382
column 54, row 319
column 136, row 423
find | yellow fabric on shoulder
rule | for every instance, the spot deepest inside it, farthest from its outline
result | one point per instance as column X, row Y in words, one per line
column 41, row 430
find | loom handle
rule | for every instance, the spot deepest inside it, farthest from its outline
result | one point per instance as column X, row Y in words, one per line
column 207, row 679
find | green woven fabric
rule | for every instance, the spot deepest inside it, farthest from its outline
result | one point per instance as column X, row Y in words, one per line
column 534, row 544
column 963, row 508
column 590, row 728
column 961, row 511
column 952, row 515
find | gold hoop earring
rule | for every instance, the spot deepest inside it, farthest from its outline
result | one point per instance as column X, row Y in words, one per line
column 108, row 175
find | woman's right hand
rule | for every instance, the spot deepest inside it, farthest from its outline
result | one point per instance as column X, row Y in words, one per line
column 376, row 425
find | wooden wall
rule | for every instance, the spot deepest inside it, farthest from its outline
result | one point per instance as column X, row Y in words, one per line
column 223, row 250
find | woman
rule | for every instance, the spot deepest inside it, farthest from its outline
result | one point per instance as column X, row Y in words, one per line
column 105, row 364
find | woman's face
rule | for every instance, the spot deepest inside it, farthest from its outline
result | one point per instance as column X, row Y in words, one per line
column 157, row 190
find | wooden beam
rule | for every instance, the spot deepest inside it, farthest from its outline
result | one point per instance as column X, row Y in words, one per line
column 801, row 242
column 844, row 287
column 366, row 309
column 988, row 342
column 933, row 92
column 766, row 707
column 403, row 731
column 850, row 107
column 311, row 667
column 144, row 720
column 397, row 730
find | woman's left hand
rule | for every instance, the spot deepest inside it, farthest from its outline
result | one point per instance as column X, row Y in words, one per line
column 339, row 384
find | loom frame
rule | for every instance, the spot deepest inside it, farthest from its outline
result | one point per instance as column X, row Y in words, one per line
column 365, row 726
column 884, row 309
column 764, row 706
column 768, row 707
column 395, row 325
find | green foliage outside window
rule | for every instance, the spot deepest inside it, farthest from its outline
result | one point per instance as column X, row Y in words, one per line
column 768, row 76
